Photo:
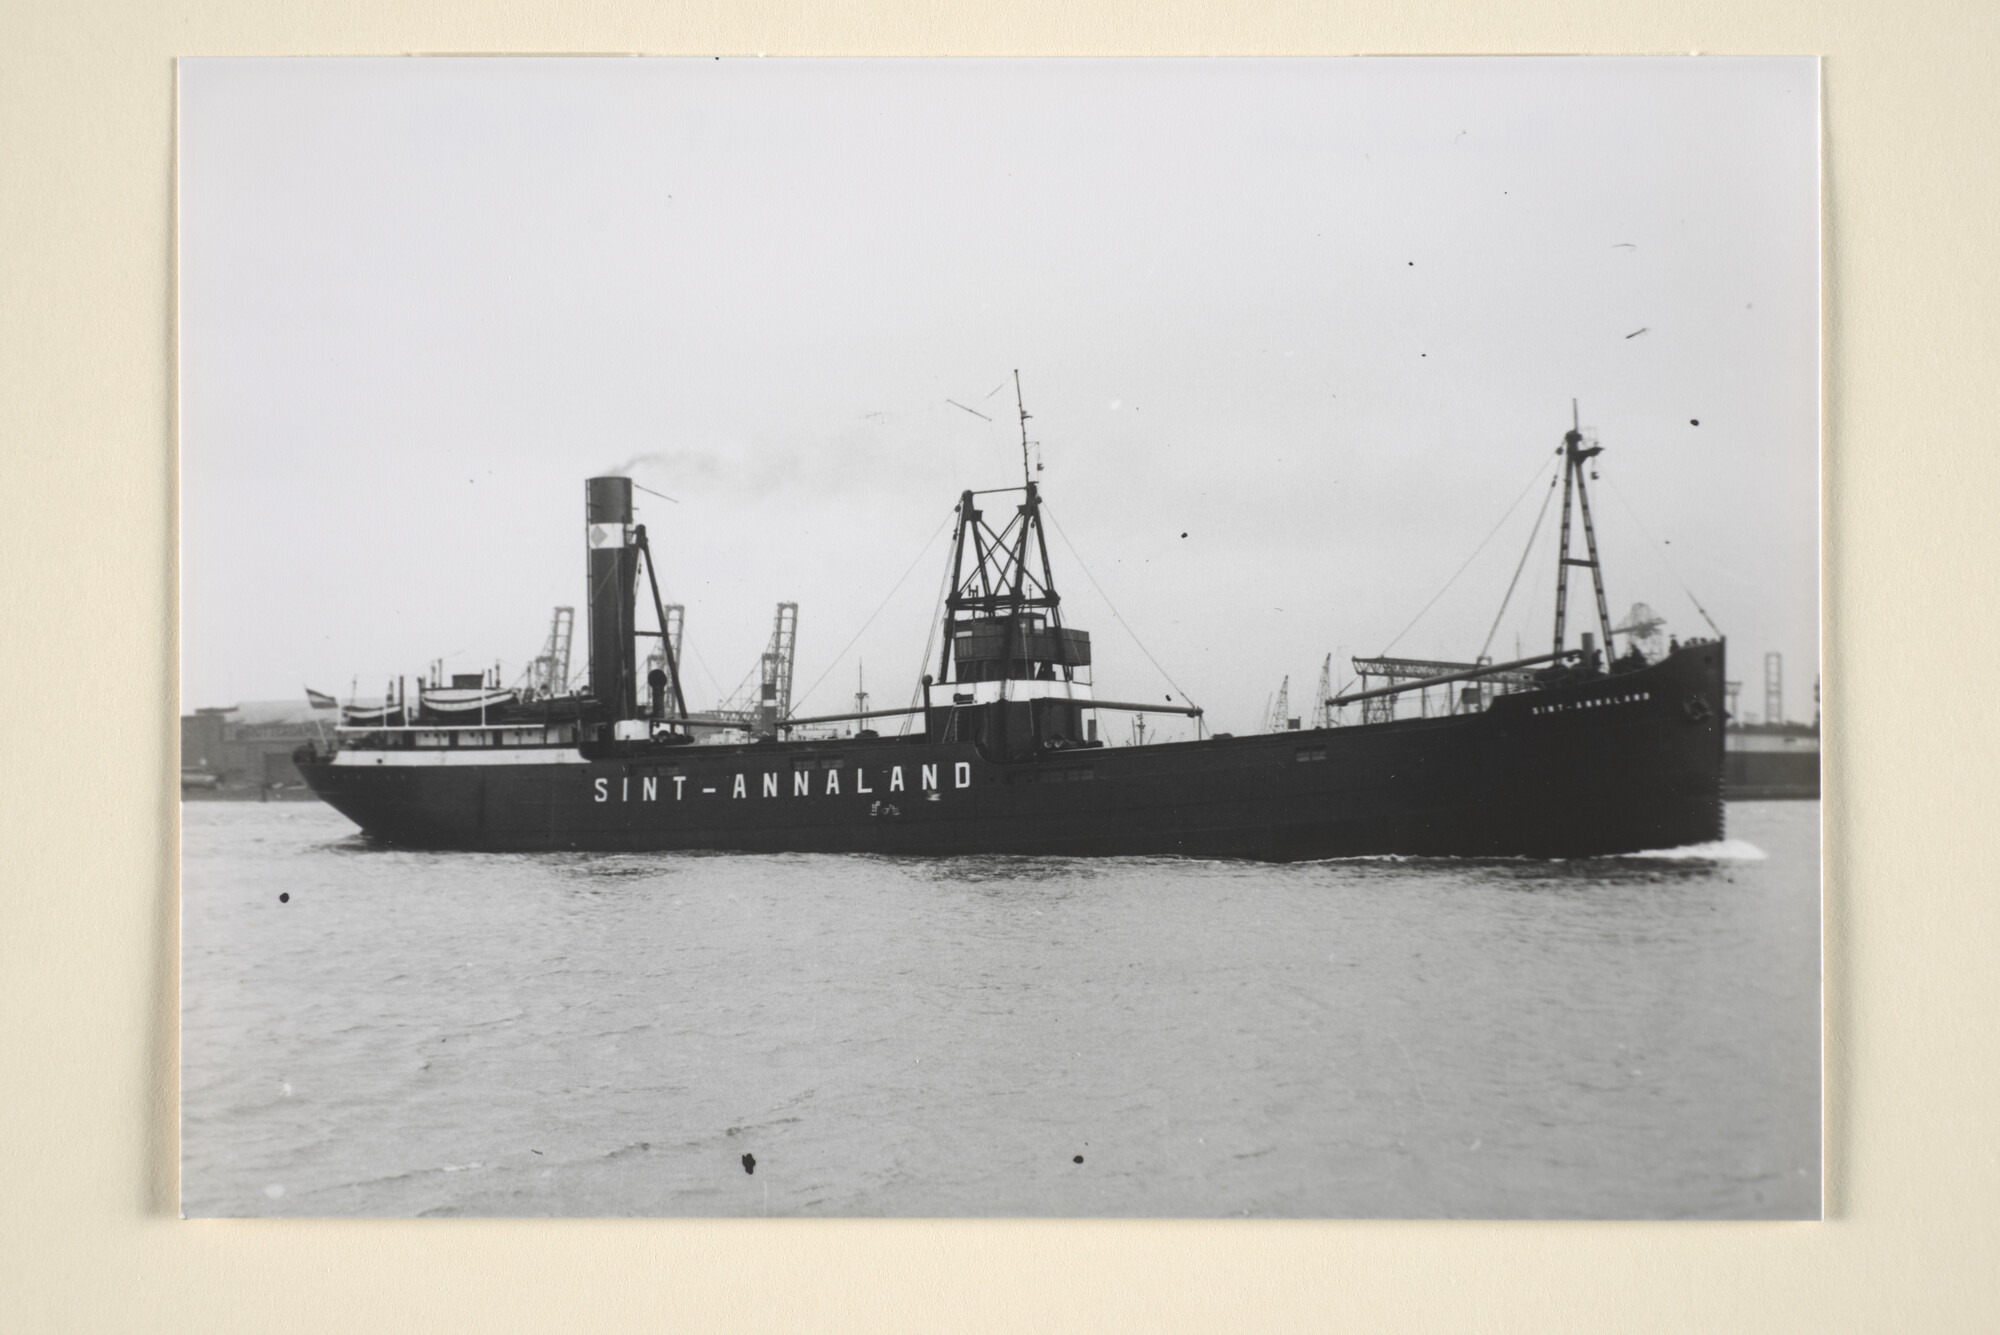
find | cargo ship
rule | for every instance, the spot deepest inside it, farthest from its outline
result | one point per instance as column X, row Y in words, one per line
column 1573, row 753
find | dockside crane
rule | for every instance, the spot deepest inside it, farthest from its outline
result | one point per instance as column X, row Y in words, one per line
column 548, row 672
column 775, row 693
column 762, row 716
column 1322, row 699
column 1281, row 709
column 676, row 622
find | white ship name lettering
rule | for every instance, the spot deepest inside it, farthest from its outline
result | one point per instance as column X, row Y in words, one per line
column 771, row 782
column 1631, row 697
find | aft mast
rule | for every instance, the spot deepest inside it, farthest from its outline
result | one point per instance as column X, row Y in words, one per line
column 1575, row 455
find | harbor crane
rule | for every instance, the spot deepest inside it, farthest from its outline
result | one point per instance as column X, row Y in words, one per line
column 762, row 716
column 775, row 692
column 548, row 673
column 658, row 656
column 1323, row 716
column 1281, row 709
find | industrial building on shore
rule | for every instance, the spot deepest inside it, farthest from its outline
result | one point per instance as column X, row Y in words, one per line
column 244, row 751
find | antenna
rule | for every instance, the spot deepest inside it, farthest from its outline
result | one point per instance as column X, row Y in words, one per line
column 1021, row 405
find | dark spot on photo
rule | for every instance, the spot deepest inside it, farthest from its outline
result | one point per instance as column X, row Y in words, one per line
column 1077, row 1159
column 749, row 1163
column 285, row 898
column 1694, row 421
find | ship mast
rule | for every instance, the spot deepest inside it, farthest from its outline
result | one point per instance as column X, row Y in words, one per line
column 1010, row 582
column 1575, row 454
column 1007, row 674
column 1021, row 407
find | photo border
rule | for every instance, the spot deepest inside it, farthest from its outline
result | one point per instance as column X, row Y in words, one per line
column 88, row 971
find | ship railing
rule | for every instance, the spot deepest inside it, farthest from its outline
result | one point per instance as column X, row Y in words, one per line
column 406, row 736
column 1378, row 704
column 449, row 727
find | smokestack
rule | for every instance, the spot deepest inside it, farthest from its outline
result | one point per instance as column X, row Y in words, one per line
column 614, row 571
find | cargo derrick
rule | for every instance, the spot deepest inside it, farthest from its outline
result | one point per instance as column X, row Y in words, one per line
column 1007, row 673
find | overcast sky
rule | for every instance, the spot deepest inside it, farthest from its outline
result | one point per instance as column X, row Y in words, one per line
column 1295, row 336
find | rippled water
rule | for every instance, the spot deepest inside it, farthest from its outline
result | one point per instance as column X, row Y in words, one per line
column 467, row 1034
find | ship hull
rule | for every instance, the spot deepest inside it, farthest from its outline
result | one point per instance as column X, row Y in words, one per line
column 1606, row 765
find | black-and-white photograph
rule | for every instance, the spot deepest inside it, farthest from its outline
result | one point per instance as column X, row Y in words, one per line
column 1088, row 638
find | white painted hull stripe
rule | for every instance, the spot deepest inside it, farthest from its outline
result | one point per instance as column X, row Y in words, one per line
column 442, row 757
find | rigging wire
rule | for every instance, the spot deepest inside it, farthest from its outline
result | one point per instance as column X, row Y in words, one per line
column 729, row 702
column 1533, row 533
column 708, row 672
column 1468, row 561
column 921, row 553
column 1660, row 551
column 917, row 700
column 1114, row 611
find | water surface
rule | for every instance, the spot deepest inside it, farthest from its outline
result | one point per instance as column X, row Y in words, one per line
column 580, row 1034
